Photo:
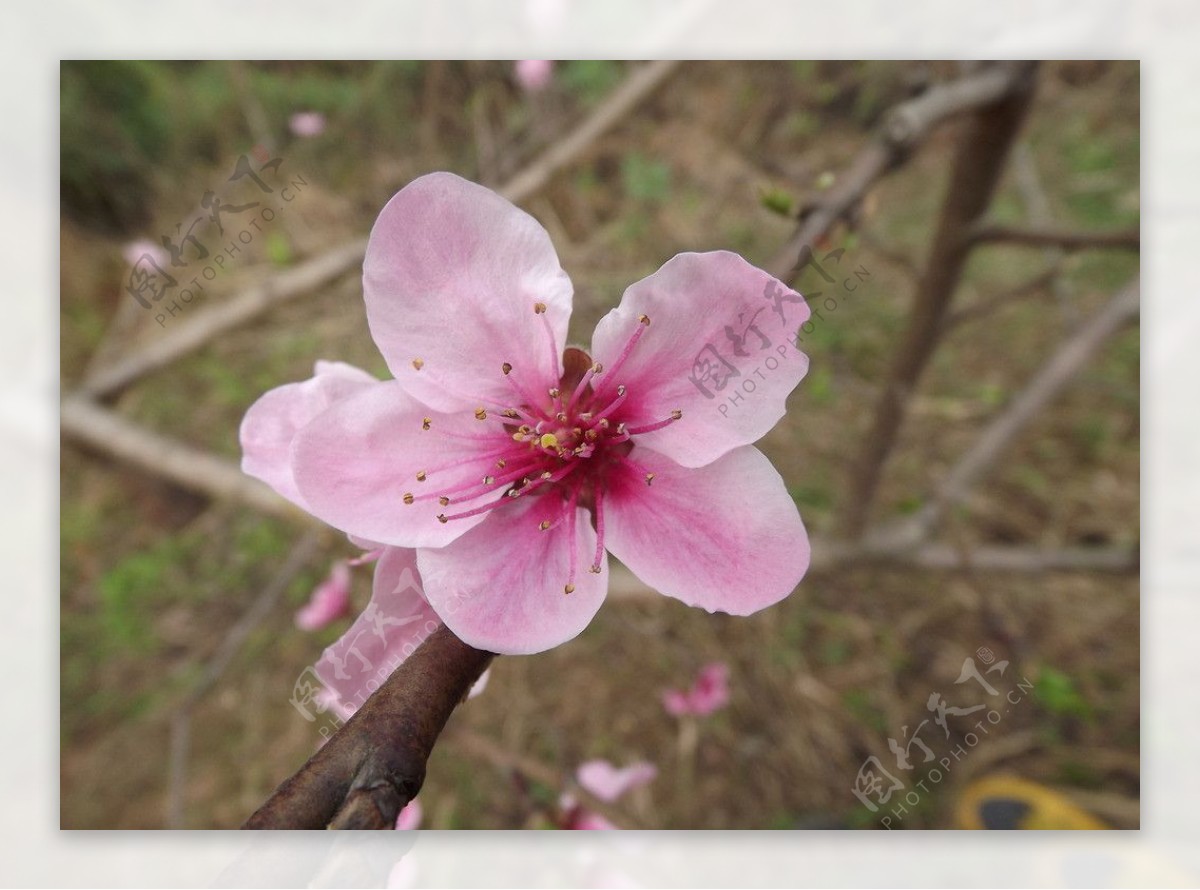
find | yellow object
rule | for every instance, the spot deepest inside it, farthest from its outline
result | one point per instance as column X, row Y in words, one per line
column 1009, row 803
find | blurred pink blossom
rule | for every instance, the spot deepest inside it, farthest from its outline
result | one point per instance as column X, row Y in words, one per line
column 307, row 124
column 329, row 602
column 608, row 783
column 533, row 74
column 409, row 818
column 709, row 693
column 135, row 250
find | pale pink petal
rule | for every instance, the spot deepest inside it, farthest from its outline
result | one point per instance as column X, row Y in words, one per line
column 738, row 544
column 480, row 686
column 354, row 464
column 409, row 818
column 136, row 251
column 307, row 124
column 272, row 422
column 686, row 358
column 394, row 624
column 534, row 74
column 585, row 820
column 500, row 587
column 608, row 782
column 329, row 601
column 452, row 275
column 710, row 692
column 676, row 702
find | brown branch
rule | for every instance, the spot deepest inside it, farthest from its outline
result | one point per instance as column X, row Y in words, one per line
column 979, row 162
column 903, row 129
column 1037, row 236
column 189, row 467
column 1049, row 381
column 204, row 326
column 375, row 764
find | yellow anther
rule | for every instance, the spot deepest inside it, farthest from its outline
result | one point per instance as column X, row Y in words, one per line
column 649, row 478
column 544, row 524
column 444, row 501
column 480, row 414
column 408, row 498
column 425, row 423
column 548, row 440
column 420, row 475
column 570, row 588
column 539, row 308
column 506, row 368
column 644, row 319
column 418, row 363
column 676, row 414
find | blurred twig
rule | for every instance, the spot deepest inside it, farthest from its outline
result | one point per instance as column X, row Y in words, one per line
column 1050, row 380
column 903, row 128
column 979, row 162
column 1034, row 236
column 181, row 721
column 206, row 325
column 186, row 466
column 375, row 764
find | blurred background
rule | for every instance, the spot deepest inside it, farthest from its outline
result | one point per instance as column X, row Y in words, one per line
column 179, row 649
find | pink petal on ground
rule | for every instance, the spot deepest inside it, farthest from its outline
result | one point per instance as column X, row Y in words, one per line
column 533, row 74
column 686, row 358
column 329, row 601
column 500, row 587
column 710, row 692
column 676, row 702
column 354, row 464
column 725, row 537
column 608, row 782
column 307, row 124
column 409, row 818
column 394, row 624
column 452, row 274
column 272, row 422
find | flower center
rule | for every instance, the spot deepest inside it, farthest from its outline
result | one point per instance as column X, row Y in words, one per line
column 560, row 443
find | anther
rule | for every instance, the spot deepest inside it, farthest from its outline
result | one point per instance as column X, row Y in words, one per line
column 539, row 308
column 488, row 480
column 506, row 368
column 555, row 392
column 676, row 414
column 441, row 517
column 420, row 475
column 597, row 368
column 594, row 569
column 408, row 497
column 644, row 319
column 501, row 464
column 570, row 588
column 544, row 524
column 418, row 363
column 425, row 423
column 444, row 501
column 480, row 414
column 649, row 478
column 621, row 389
column 510, row 413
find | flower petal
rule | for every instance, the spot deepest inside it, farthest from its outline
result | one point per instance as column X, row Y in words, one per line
column 608, row 782
column 394, row 624
column 500, row 587
column 716, row 349
column 451, row 277
column 272, row 422
column 354, row 464
column 725, row 537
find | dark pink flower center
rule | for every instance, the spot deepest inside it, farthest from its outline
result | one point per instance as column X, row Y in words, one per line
column 562, row 442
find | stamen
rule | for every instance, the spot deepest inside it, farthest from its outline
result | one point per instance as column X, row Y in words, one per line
column 599, row 496
column 583, row 384
column 633, row 340
column 651, row 427
column 599, row 419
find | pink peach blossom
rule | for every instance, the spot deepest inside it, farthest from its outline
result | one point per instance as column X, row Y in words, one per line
column 608, row 783
column 134, row 251
column 709, row 693
column 329, row 601
column 533, row 74
column 513, row 467
column 409, row 818
column 307, row 124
